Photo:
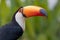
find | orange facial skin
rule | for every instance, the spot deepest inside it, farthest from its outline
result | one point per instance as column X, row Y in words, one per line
column 32, row 11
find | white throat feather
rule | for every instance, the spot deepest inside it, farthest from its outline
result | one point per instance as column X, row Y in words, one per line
column 20, row 20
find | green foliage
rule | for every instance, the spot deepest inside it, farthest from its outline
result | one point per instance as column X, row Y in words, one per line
column 37, row 28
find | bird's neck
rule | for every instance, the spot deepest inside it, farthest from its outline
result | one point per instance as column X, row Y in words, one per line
column 20, row 20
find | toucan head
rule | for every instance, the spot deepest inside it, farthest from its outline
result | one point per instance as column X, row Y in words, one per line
column 30, row 11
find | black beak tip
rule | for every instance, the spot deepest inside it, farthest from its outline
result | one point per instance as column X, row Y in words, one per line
column 44, row 12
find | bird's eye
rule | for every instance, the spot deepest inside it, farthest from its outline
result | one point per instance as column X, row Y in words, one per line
column 21, row 10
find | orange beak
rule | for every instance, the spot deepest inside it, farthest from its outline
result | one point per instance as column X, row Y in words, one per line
column 30, row 11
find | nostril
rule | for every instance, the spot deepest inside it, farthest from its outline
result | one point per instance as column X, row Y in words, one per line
column 43, row 12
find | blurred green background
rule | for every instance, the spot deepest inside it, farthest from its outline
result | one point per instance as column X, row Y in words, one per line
column 37, row 28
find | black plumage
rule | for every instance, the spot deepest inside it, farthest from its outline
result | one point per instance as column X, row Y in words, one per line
column 11, row 31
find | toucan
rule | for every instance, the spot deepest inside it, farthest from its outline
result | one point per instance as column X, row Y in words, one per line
column 16, row 27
